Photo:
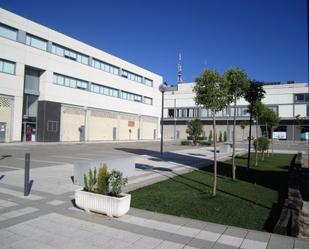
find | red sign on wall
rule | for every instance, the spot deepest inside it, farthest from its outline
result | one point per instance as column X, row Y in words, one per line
column 131, row 123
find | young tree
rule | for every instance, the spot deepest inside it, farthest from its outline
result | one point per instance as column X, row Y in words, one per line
column 254, row 93
column 195, row 129
column 256, row 109
column 212, row 93
column 271, row 120
column 238, row 85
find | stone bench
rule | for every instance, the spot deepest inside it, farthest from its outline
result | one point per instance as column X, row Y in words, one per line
column 124, row 164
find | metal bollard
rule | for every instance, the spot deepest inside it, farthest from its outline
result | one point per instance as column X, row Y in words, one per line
column 27, row 174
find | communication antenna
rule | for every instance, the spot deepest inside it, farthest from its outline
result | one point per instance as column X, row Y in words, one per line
column 179, row 70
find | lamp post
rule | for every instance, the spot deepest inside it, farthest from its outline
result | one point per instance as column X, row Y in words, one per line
column 162, row 89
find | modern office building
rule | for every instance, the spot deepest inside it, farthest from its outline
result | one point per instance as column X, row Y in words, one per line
column 290, row 101
column 55, row 88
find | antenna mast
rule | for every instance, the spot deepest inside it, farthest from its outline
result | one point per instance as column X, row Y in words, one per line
column 179, row 80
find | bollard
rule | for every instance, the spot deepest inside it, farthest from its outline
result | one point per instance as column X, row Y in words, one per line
column 27, row 173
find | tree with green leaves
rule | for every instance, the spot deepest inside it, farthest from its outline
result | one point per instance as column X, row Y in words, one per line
column 271, row 120
column 194, row 129
column 212, row 93
column 238, row 85
column 254, row 93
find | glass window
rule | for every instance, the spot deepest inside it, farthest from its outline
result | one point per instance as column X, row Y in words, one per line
column 148, row 100
column 36, row 42
column 106, row 91
column 115, row 93
column 8, row 32
column 148, row 82
column 7, row 67
column 300, row 97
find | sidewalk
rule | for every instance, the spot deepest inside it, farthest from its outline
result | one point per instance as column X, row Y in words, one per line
column 48, row 219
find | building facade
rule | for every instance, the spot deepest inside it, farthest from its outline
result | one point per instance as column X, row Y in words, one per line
column 55, row 88
column 290, row 101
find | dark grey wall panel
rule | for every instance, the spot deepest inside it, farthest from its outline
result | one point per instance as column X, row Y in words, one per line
column 48, row 121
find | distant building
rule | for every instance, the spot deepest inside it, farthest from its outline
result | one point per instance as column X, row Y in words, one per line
column 290, row 101
column 55, row 88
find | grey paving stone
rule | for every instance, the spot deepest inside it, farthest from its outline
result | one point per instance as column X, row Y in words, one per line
column 215, row 228
column 196, row 224
column 55, row 202
column 5, row 203
column 222, row 246
column 301, row 244
column 198, row 243
column 11, row 239
column 253, row 244
column 147, row 242
column 258, row 236
column 230, row 240
column 282, row 242
column 169, row 245
column 236, row 232
column 207, row 235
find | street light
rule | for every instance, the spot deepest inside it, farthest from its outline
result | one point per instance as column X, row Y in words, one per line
column 162, row 89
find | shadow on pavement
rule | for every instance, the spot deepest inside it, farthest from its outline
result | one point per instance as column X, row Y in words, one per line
column 147, row 167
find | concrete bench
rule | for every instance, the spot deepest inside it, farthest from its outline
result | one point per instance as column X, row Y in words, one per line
column 124, row 164
column 225, row 148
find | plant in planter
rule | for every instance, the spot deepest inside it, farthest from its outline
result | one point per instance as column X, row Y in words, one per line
column 103, row 193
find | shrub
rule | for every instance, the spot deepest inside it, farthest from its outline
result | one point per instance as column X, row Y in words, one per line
column 204, row 142
column 210, row 136
column 91, row 180
column 194, row 129
column 102, row 184
column 220, row 136
column 116, row 182
column 224, row 136
column 185, row 142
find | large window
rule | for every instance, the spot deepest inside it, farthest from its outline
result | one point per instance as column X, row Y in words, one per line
column 36, row 42
column 70, row 82
column 301, row 97
column 32, row 80
column 8, row 32
column 148, row 82
column 105, row 66
column 7, row 66
column 148, row 101
column 70, row 54
column 96, row 88
column 135, row 77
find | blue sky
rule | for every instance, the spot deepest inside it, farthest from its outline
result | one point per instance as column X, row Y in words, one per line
column 266, row 38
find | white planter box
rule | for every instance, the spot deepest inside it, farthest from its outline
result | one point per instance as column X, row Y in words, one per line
column 109, row 205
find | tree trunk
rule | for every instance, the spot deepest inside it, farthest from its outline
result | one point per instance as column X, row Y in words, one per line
column 272, row 142
column 267, row 135
column 249, row 144
column 257, row 142
column 214, row 185
column 263, row 155
column 234, row 138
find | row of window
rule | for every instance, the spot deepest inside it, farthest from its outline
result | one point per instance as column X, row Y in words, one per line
column 301, row 97
column 70, row 54
column 7, row 66
column 34, row 41
column 206, row 113
column 105, row 66
column 100, row 89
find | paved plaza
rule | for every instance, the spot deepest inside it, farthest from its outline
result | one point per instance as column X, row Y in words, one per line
column 47, row 218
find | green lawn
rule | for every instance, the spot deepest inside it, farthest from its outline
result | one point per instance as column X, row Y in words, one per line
column 253, row 201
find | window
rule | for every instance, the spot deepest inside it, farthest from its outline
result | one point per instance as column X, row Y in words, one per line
column 170, row 113
column 69, row 54
column 301, row 97
column 148, row 101
column 132, row 76
column 36, row 42
column 7, row 66
column 137, row 98
column 148, row 82
column 70, row 82
column 105, row 66
column 8, row 32
column 52, row 126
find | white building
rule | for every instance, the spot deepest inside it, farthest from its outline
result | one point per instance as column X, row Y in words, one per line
column 55, row 88
column 288, row 100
